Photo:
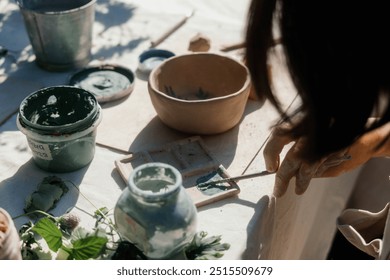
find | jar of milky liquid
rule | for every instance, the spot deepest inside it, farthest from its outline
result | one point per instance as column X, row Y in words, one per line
column 155, row 212
column 60, row 124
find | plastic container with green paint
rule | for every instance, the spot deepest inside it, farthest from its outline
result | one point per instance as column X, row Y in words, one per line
column 60, row 125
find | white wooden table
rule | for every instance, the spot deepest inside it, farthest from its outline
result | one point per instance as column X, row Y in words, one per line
column 254, row 223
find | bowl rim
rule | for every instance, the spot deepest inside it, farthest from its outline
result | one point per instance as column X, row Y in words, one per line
column 243, row 88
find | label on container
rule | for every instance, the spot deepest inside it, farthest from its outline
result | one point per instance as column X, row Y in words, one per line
column 40, row 150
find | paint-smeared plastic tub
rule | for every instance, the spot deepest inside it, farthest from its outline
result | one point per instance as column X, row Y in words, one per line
column 60, row 125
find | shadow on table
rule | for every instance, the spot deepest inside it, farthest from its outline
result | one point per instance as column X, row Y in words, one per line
column 15, row 190
column 113, row 14
column 154, row 135
column 259, row 228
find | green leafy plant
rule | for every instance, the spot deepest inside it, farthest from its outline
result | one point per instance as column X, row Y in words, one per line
column 62, row 241
column 66, row 239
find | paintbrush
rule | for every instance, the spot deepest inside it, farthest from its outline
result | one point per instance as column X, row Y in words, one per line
column 236, row 178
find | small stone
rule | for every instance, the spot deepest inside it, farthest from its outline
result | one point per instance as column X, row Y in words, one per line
column 199, row 43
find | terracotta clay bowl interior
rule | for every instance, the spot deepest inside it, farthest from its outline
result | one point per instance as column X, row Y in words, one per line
column 200, row 93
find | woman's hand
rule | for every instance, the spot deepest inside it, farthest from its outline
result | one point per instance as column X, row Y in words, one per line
column 333, row 165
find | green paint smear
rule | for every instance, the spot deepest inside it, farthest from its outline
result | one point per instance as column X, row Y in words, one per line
column 211, row 188
column 56, row 109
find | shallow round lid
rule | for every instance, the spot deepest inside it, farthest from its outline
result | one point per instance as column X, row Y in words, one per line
column 150, row 59
column 105, row 82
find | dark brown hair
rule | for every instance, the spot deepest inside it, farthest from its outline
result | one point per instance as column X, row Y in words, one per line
column 338, row 56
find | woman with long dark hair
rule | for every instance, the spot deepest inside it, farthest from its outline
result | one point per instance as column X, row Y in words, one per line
column 338, row 56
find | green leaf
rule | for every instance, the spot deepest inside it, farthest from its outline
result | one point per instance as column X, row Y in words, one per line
column 49, row 231
column 87, row 248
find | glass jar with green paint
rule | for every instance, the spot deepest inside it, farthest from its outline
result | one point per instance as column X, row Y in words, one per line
column 155, row 212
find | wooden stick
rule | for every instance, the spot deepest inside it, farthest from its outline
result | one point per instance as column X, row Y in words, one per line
column 170, row 31
column 242, row 45
column 232, row 47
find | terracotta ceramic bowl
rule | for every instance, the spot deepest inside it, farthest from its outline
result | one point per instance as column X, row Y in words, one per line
column 200, row 93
